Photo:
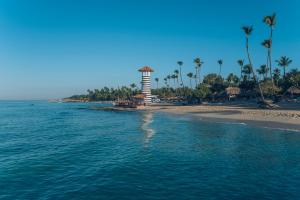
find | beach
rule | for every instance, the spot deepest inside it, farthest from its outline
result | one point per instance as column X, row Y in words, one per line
column 286, row 117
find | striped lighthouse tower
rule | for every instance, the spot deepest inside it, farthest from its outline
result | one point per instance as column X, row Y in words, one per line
column 146, row 83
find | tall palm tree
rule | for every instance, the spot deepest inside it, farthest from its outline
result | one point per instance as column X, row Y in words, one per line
column 195, row 78
column 198, row 64
column 180, row 63
column 260, row 72
column 284, row 62
column 241, row 64
column 157, row 80
column 220, row 62
column 276, row 75
column 176, row 72
column 190, row 75
column 270, row 20
column 166, row 81
column 248, row 30
column 174, row 78
column 264, row 71
column 169, row 78
column 267, row 45
column 247, row 71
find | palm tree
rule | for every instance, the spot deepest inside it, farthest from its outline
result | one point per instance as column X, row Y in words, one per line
column 198, row 64
column 190, row 75
column 180, row 63
column 247, row 71
column 156, row 79
column 169, row 78
column 248, row 30
column 166, row 81
column 133, row 85
column 232, row 79
column 267, row 45
column 195, row 78
column 174, row 78
column 276, row 75
column 284, row 62
column 271, row 22
column 261, row 73
column 241, row 64
column 264, row 69
column 220, row 62
column 176, row 72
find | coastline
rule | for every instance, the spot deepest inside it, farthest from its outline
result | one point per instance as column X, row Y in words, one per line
column 284, row 118
column 287, row 117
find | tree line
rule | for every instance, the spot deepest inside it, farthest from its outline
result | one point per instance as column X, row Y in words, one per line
column 262, row 82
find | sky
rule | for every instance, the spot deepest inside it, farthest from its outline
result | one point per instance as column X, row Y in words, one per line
column 57, row 48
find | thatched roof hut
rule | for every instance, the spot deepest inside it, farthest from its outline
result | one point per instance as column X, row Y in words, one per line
column 139, row 96
column 294, row 90
column 233, row 91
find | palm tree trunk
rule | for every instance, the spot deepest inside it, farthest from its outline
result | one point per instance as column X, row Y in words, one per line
column 270, row 53
column 251, row 67
column 283, row 71
column 180, row 76
column 199, row 79
column 196, row 76
column 270, row 59
column 267, row 66
column 220, row 70
column 241, row 72
column 191, row 83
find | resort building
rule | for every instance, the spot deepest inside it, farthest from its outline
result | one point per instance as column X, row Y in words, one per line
column 146, row 83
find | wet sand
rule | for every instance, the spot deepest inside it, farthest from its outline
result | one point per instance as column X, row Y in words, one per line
column 286, row 117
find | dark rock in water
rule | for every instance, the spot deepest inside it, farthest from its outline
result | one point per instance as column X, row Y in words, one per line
column 106, row 108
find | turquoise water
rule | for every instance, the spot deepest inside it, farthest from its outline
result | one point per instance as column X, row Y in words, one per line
column 65, row 151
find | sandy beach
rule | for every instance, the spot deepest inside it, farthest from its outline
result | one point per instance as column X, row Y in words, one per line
column 286, row 117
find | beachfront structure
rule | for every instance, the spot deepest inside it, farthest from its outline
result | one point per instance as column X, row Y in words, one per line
column 232, row 92
column 146, row 83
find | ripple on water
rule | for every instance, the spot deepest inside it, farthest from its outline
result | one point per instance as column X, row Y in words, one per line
column 57, row 151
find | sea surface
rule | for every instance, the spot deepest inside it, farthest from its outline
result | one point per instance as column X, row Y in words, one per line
column 71, row 151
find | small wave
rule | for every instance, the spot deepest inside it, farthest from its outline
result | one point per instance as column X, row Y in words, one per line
column 282, row 129
column 237, row 123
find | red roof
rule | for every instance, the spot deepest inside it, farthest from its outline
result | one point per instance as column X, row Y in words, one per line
column 146, row 69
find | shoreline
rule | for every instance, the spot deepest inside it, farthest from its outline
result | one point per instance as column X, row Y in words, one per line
column 284, row 119
column 287, row 117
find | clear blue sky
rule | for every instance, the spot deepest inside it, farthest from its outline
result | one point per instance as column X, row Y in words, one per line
column 56, row 48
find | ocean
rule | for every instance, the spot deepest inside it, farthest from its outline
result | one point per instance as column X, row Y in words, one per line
column 70, row 151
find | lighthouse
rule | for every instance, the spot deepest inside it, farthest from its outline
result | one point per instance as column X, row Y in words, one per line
column 146, row 83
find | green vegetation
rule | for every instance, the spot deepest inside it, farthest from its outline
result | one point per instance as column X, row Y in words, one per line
column 269, row 83
column 107, row 94
column 212, row 87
